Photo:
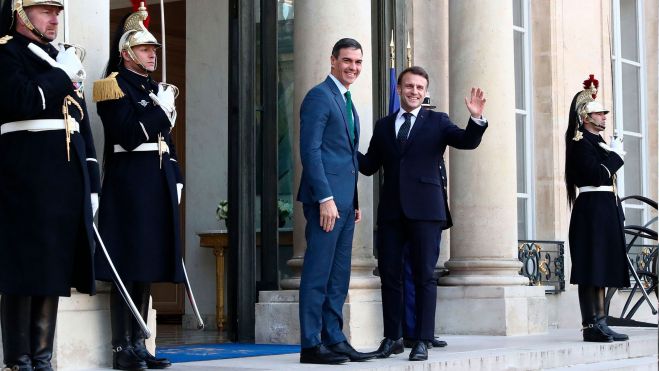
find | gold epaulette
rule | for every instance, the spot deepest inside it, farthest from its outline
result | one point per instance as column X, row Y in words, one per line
column 5, row 39
column 107, row 89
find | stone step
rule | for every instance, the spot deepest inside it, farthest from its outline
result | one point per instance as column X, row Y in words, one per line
column 556, row 349
column 632, row 364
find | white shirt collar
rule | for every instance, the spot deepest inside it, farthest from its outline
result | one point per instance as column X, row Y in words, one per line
column 415, row 112
column 342, row 88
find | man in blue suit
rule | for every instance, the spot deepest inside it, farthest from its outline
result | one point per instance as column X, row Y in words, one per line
column 413, row 209
column 329, row 135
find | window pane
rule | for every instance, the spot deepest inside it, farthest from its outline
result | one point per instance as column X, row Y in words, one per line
column 633, row 217
column 633, row 166
column 630, row 98
column 520, row 121
column 518, row 13
column 521, row 219
column 285, row 111
column 629, row 29
column 519, row 70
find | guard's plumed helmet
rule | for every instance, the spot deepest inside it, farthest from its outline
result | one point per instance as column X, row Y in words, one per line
column 586, row 104
column 18, row 8
column 136, row 33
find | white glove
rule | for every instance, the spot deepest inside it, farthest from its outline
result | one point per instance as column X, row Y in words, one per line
column 165, row 99
column 616, row 146
column 166, row 95
column 94, row 198
column 179, row 191
column 76, row 74
column 69, row 59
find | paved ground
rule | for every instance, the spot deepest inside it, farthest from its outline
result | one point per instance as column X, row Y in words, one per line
column 558, row 350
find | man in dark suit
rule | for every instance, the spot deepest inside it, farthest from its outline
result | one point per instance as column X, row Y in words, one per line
column 409, row 145
column 329, row 135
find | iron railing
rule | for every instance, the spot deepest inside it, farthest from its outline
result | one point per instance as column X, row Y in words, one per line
column 543, row 263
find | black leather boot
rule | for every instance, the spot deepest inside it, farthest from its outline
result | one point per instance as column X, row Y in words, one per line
column 123, row 355
column 42, row 331
column 142, row 293
column 15, row 321
column 588, row 302
column 598, row 295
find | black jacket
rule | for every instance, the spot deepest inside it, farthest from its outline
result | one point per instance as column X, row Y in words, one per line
column 413, row 182
column 597, row 239
column 46, row 236
column 139, row 216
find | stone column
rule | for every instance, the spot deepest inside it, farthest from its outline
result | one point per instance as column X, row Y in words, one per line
column 318, row 25
column 483, row 264
column 430, row 51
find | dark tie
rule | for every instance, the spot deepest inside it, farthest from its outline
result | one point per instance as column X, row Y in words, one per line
column 351, row 119
column 404, row 129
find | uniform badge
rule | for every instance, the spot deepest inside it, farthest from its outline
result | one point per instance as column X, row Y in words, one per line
column 143, row 103
column 4, row 39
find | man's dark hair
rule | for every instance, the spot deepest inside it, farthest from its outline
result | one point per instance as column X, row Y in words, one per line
column 415, row 70
column 345, row 43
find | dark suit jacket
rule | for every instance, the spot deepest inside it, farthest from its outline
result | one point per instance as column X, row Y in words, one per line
column 329, row 159
column 413, row 185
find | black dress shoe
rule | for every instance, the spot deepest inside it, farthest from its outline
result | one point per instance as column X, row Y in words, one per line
column 408, row 343
column 126, row 359
column 436, row 343
column 151, row 361
column 321, row 355
column 593, row 333
column 419, row 352
column 389, row 347
column 346, row 349
column 609, row 331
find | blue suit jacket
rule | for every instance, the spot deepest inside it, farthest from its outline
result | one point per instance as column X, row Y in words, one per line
column 413, row 185
column 329, row 159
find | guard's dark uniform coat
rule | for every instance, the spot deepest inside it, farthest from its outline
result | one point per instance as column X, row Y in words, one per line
column 46, row 236
column 597, row 242
column 138, row 214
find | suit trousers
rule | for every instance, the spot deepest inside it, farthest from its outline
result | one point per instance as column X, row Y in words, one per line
column 409, row 296
column 325, row 277
column 422, row 238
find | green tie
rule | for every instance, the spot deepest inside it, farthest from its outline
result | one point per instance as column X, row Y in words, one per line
column 351, row 120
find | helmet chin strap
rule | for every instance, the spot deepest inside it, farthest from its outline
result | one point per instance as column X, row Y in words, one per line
column 595, row 123
column 28, row 24
column 139, row 63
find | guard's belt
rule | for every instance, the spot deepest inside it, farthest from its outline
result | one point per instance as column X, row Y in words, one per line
column 38, row 125
column 144, row 147
column 596, row 189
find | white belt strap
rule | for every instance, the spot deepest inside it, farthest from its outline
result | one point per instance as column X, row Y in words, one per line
column 38, row 125
column 144, row 147
column 596, row 189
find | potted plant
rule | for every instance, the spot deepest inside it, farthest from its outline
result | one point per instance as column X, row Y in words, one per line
column 222, row 212
column 285, row 210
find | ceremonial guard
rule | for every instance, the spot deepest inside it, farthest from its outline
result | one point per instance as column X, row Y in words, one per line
column 597, row 240
column 49, row 181
column 142, row 184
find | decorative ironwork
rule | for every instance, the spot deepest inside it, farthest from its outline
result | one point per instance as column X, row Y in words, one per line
column 543, row 263
column 643, row 258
